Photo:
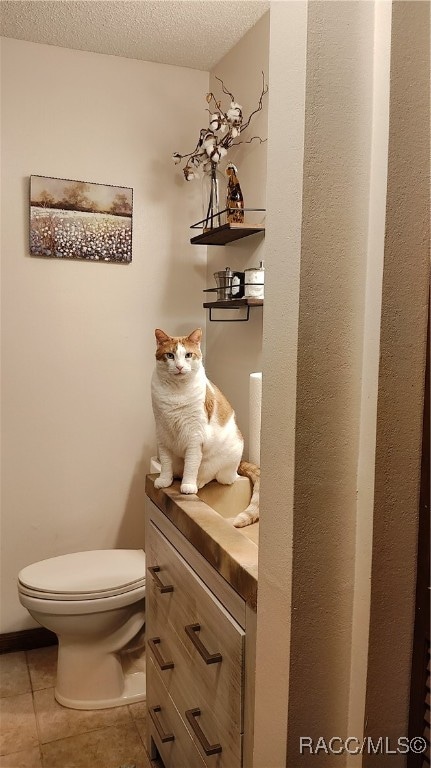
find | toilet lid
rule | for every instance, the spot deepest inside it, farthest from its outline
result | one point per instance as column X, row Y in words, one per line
column 84, row 575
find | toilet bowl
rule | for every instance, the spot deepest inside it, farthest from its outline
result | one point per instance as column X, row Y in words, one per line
column 95, row 603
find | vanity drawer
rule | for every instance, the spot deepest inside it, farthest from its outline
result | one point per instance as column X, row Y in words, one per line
column 214, row 684
column 164, row 723
column 191, row 686
column 189, row 602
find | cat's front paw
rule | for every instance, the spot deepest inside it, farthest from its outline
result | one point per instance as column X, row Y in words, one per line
column 189, row 488
column 163, row 481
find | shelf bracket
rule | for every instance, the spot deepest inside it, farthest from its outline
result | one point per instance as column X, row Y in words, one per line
column 231, row 320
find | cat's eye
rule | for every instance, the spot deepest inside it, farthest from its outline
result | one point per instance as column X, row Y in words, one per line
column 189, row 354
column 170, row 355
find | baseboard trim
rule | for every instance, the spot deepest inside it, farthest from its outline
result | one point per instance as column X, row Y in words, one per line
column 26, row 640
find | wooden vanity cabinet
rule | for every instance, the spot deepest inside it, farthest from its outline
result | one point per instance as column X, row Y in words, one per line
column 200, row 650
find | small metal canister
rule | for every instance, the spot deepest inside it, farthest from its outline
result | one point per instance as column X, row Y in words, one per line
column 254, row 282
column 230, row 285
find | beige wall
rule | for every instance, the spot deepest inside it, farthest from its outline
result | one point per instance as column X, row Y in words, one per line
column 286, row 114
column 77, row 338
column 319, row 441
column 355, row 283
column 401, row 379
column 234, row 350
column 338, row 123
column 370, row 368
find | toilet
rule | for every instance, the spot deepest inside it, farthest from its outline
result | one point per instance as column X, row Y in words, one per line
column 95, row 603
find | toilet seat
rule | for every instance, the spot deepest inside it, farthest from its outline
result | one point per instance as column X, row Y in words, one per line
column 91, row 575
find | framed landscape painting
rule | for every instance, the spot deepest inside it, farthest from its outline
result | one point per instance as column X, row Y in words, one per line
column 80, row 220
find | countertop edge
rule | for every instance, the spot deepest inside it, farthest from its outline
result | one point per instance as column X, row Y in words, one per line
column 230, row 553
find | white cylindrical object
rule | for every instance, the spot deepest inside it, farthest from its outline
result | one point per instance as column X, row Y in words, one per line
column 255, row 409
column 154, row 465
column 254, row 282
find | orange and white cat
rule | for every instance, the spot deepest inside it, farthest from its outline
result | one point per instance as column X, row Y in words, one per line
column 197, row 434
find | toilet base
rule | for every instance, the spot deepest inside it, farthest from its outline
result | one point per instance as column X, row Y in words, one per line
column 134, row 690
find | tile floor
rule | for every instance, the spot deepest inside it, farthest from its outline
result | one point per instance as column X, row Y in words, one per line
column 36, row 732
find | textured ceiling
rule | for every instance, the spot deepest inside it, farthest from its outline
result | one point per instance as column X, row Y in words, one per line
column 188, row 33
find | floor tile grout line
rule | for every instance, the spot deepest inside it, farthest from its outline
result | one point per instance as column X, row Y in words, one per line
column 82, row 733
column 34, row 708
column 28, row 671
column 19, row 693
column 94, row 730
column 40, row 744
column 26, row 693
column 139, row 734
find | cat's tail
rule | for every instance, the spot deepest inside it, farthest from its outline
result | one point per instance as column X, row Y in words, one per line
column 251, row 514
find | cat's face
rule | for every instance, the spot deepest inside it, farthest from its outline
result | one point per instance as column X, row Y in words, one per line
column 178, row 356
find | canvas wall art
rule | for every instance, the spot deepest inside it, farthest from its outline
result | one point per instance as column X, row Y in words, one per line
column 80, row 220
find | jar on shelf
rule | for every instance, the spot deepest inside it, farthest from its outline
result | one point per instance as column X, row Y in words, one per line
column 254, row 282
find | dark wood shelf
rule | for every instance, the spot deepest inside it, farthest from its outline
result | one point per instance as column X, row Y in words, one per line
column 233, row 303
column 227, row 233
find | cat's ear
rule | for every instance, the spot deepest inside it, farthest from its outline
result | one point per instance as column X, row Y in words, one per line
column 195, row 336
column 161, row 336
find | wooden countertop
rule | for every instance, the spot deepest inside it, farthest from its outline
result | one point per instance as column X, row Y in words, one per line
column 233, row 552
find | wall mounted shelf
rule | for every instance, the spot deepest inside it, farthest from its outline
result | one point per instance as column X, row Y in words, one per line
column 227, row 233
column 232, row 304
column 221, row 235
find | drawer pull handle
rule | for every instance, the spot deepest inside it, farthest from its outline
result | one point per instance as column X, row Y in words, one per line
column 153, row 642
column 164, row 737
column 209, row 749
column 209, row 658
column 154, row 570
